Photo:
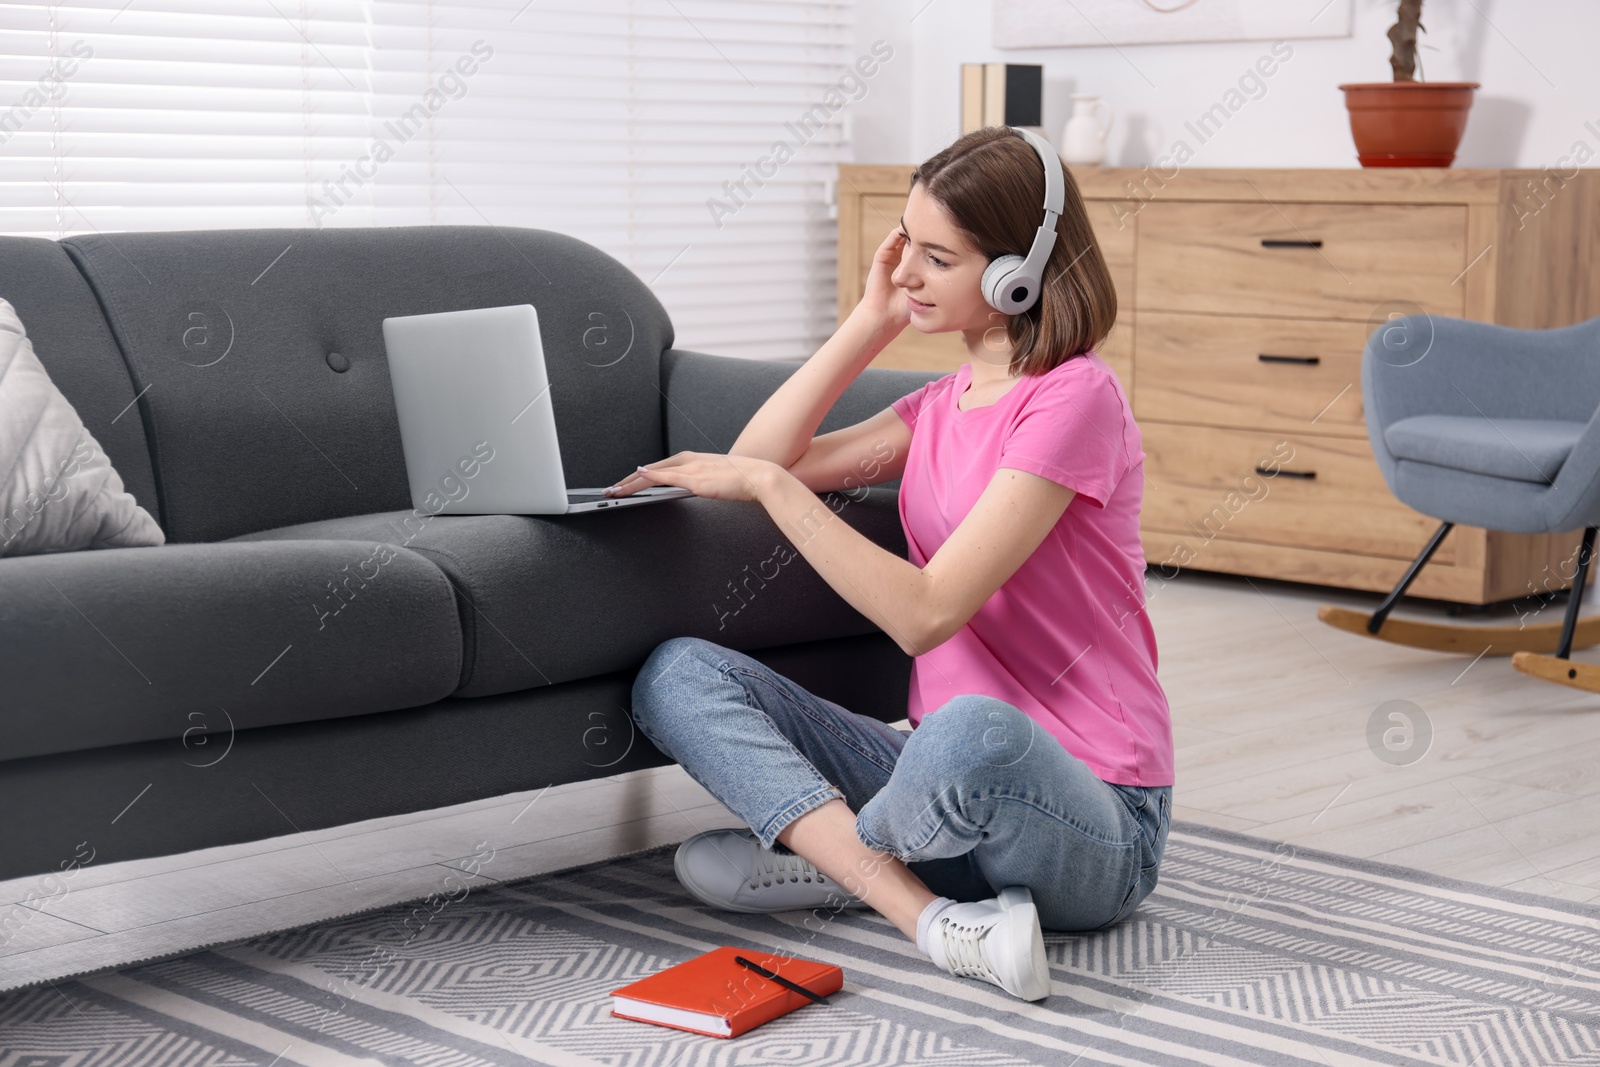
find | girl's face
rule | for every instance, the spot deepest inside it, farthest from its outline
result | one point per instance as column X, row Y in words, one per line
column 940, row 271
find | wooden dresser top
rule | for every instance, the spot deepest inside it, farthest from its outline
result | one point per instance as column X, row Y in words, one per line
column 1391, row 185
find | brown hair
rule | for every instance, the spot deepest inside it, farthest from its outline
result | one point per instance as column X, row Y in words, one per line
column 992, row 185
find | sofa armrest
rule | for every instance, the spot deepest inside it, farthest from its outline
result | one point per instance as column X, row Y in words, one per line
column 708, row 400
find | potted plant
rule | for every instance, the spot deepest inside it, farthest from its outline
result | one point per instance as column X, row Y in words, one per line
column 1406, row 122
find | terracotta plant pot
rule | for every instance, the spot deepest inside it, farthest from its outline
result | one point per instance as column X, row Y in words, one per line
column 1407, row 124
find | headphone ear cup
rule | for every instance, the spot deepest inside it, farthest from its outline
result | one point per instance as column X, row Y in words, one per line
column 995, row 277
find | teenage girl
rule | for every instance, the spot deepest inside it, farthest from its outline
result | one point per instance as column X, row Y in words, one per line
column 1034, row 788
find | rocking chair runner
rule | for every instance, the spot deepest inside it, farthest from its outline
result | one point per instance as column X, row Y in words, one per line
column 1488, row 426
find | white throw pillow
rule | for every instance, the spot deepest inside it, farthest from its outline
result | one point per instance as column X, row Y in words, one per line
column 58, row 490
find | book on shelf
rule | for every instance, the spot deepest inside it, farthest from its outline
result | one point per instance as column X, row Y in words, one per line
column 1001, row 94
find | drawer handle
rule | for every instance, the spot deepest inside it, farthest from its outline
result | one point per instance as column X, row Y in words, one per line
column 1272, row 242
column 1285, row 474
column 1309, row 361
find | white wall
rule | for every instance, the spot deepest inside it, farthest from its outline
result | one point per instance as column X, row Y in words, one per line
column 1534, row 58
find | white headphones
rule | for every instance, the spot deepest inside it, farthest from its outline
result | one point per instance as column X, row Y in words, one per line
column 1011, row 283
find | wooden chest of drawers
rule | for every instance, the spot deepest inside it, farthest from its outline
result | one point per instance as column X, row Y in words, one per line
column 1246, row 297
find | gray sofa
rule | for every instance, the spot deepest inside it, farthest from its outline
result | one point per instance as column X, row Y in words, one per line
column 306, row 650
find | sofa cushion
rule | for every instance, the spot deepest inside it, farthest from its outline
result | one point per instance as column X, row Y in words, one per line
column 59, row 492
column 181, row 642
column 545, row 600
column 1523, row 450
column 259, row 356
column 72, row 341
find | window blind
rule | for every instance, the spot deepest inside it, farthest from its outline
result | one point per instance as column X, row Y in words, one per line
column 694, row 140
column 165, row 114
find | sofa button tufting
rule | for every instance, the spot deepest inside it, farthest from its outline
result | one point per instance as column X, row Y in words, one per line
column 338, row 362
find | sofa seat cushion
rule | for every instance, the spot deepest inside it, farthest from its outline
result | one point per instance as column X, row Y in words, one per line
column 1523, row 450
column 550, row 599
column 185, row 643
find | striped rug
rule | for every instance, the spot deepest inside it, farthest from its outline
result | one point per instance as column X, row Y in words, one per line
column 1247, row 953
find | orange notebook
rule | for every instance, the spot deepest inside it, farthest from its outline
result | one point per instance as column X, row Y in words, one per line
column 713, row 995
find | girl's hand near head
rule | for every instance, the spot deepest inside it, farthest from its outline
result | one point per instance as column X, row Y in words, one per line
column 883, row 303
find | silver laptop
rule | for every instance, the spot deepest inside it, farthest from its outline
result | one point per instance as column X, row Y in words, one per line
column 476, row 420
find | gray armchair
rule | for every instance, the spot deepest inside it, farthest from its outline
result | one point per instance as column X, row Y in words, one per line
column 1487, row 426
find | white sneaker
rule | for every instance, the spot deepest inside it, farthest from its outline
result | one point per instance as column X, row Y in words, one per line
column 729, row 869
column 997, row 941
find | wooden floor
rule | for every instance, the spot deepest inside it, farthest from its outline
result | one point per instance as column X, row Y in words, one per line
column 1271, row 712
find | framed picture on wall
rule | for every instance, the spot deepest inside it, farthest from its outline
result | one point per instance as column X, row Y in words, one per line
column 1050, row 23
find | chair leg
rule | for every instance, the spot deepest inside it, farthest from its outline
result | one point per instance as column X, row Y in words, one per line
column 1529, row 645
column 1375, row 623
column 1575, row 598
column 1560, row 668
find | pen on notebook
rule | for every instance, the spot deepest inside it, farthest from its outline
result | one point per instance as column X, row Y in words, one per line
column 780, row 979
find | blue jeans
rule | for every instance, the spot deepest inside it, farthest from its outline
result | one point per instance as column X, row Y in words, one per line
column 978, row 797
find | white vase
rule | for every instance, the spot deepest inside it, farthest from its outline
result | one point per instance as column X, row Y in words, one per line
column 1083, row 138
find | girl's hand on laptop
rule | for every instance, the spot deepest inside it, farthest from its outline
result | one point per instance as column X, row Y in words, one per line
column 708, row 474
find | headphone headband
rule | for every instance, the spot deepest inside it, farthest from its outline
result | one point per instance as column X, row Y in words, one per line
column 1012, row 283
column 1055, row 184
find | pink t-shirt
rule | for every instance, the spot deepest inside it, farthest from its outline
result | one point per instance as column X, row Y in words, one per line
column 1066, row 638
